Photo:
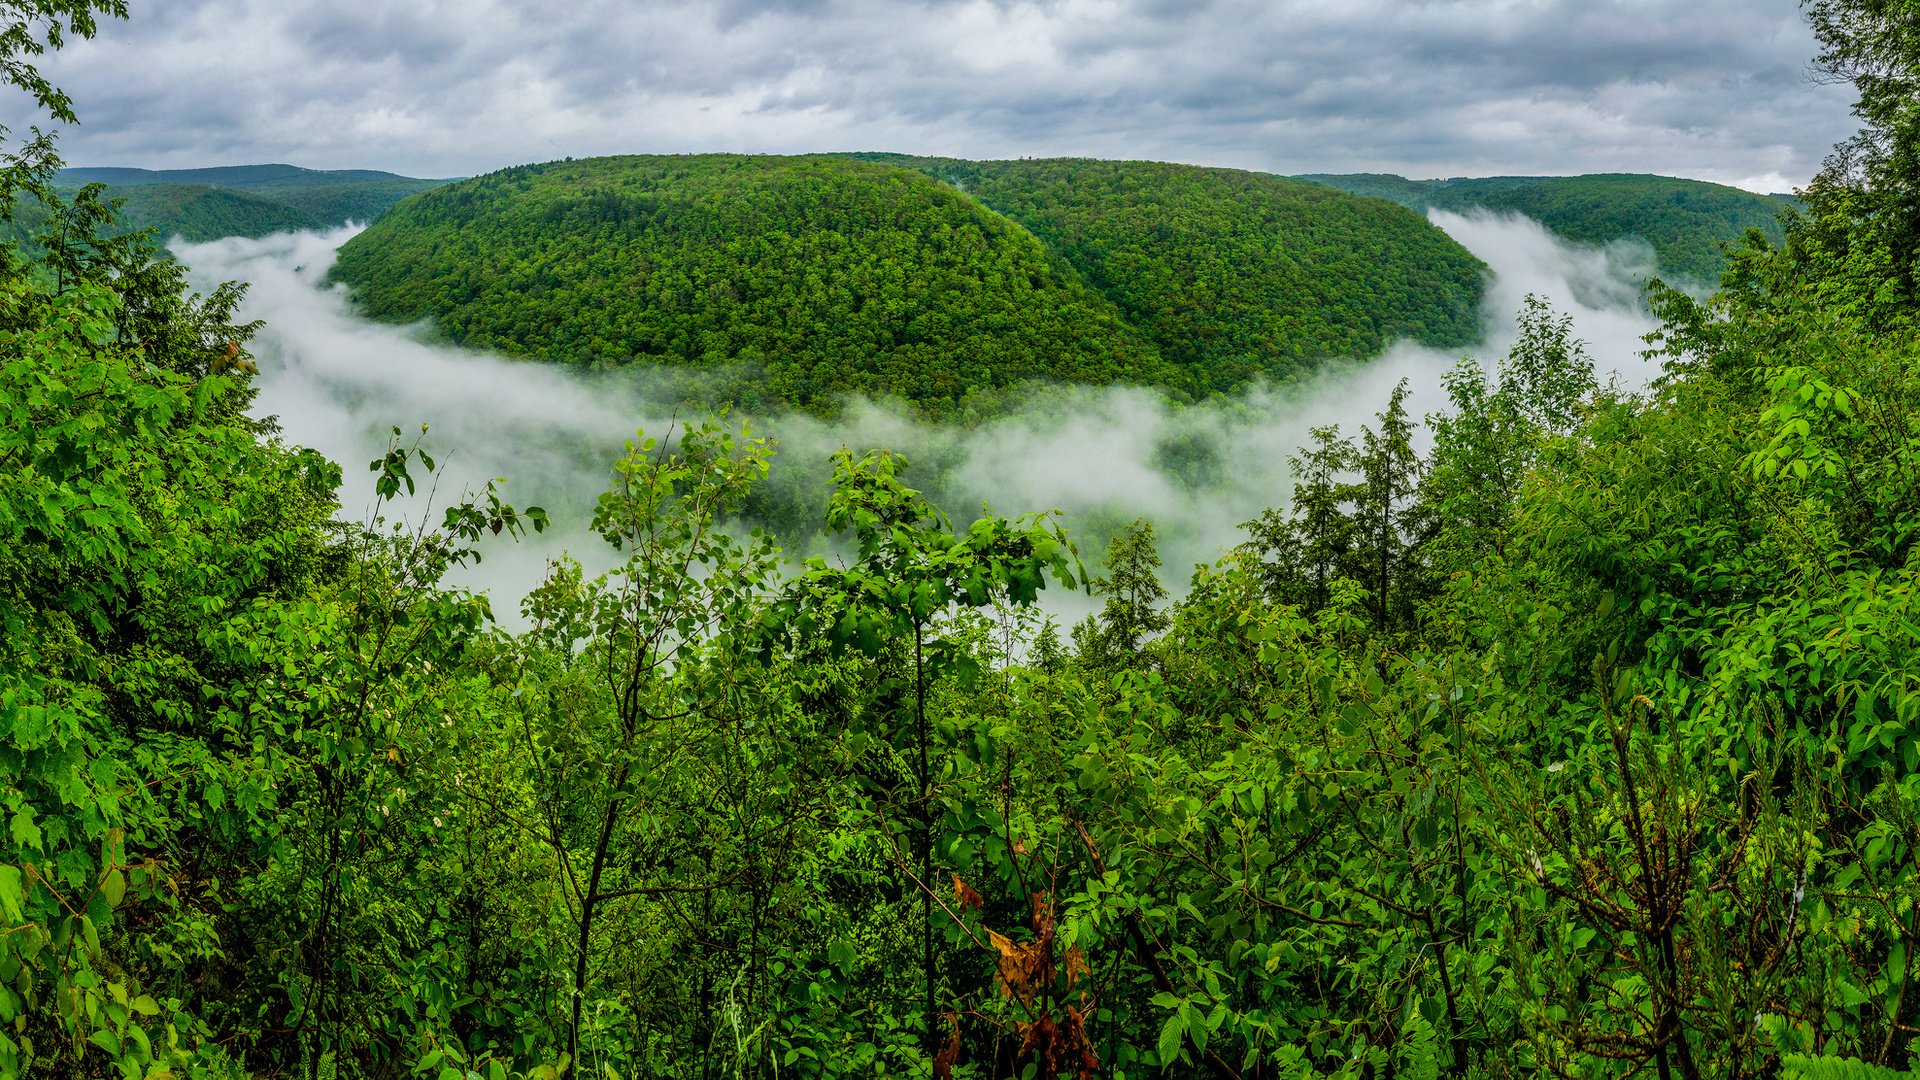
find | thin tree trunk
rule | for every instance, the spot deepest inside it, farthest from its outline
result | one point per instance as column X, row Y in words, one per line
column 926, row 837
column 589, row 902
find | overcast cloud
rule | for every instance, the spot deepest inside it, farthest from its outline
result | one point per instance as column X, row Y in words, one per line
column 1714, row 89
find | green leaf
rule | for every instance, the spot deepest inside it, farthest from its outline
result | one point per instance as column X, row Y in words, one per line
column 25, row 833
column 1171, row 1034
column 843, row 955
column 11, row 895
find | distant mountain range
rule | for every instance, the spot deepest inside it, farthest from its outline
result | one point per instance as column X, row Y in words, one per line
column 1685, row 221
column 241, row 200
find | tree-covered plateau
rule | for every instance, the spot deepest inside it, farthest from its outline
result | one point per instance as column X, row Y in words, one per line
column 836, row 275
column 1582, row 744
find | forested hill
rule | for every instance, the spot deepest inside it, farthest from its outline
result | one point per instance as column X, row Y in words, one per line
column 243, row 200
column 334, row 196
column 822, row 275
column 194, row 212
column 1235, row 274
column 1686, row 221
column 839, row 274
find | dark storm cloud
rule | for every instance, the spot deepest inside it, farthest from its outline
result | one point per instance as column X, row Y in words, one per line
column 1708, row 88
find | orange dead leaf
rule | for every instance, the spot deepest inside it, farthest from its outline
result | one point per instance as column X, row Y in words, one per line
column 1077, row 968
column 1023, row 967
column 949, row 1051
column 1076, row 1033
column 1041, row 1037
column 964, row 893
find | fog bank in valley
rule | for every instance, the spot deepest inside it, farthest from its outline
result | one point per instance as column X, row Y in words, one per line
column 1102, row 456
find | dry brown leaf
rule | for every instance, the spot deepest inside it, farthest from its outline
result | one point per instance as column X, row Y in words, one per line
column 949, row 1052
column 1042, row 1037
column 1076, row 965
column 1076, row 1034
column 1023, row 967
column 964, row 893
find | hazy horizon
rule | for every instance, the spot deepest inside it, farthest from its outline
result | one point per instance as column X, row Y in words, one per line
column 870, row 150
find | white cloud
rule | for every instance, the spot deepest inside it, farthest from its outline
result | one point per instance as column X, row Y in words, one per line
column 1706, row 88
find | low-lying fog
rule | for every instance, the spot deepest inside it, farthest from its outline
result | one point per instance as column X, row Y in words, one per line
column 1102, row 456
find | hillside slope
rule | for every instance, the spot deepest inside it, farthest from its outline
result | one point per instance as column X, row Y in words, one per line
column 827, row 275
column 198, row 213
column 1685, row 221
column 1237, row 275
column 193, row 212
column 858, row 272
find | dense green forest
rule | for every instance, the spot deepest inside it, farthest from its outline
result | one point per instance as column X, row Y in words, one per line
column 1236, row 274
column 1689, row 223
column 820, row 275
column 1580, row 745
column 194, row 213
column 837, row 274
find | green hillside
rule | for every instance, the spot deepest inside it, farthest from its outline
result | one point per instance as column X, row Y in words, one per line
column 1685, row 221
column 199, row 213
column 1236, row 274
column 830, row 275
column 1576, row 736
column 195, row 213
column 1417, row 194
column 860, row 273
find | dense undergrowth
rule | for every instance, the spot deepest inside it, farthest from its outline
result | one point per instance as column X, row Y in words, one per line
column 1582, row 746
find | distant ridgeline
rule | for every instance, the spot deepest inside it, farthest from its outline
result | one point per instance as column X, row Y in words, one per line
column 242, row 200
column 1685, row 221
column 929, row 279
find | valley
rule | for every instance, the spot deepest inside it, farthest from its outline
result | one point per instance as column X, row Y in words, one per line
column 1002, row 611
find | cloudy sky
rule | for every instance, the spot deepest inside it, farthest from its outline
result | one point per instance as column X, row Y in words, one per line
column 1713, row 89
